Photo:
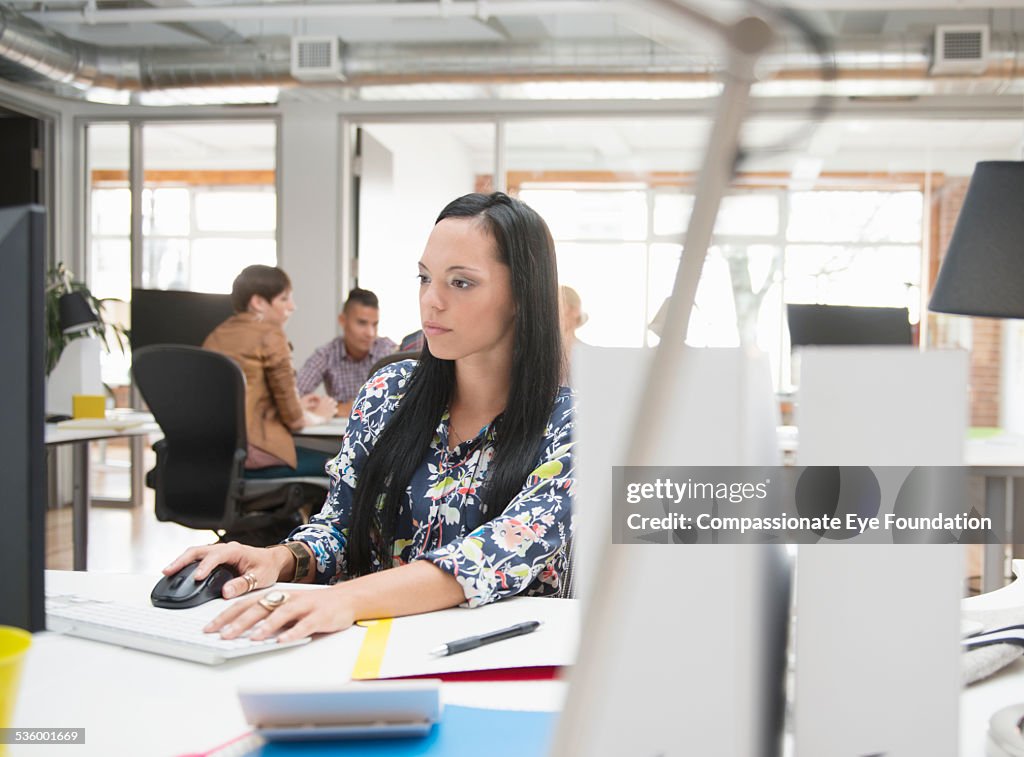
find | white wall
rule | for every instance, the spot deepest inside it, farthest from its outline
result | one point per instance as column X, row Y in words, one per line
column 428, row 168
column 1011, row 404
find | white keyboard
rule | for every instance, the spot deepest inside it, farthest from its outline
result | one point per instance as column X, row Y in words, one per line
column 175, row 633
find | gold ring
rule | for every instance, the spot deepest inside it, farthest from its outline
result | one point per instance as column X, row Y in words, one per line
column 272, row 600
column 250, row 579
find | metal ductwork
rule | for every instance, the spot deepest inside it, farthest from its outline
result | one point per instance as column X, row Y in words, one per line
column 33, row 54
column 40, row 55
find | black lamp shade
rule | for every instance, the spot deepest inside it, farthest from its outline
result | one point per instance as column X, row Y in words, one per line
column 983, row 271
column 76, row 314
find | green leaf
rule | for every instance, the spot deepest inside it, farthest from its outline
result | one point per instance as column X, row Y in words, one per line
column 550, row 469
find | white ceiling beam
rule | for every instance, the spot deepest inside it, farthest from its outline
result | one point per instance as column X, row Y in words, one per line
column 481, row 9
column 902, row 5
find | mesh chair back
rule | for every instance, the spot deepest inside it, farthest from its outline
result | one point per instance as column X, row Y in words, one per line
column 198, row 398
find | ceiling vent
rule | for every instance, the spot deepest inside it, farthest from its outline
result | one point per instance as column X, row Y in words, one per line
column 316, row 59
column 960, row 49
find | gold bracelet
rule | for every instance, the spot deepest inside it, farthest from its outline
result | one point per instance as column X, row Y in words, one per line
column 302, row 559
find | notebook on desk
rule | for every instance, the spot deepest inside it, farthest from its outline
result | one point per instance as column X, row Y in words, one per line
column 400, row 647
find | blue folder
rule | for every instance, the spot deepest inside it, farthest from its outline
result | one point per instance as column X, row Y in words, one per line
column 469, row 731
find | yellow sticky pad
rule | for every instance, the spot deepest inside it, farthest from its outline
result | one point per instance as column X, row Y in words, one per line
column 371, row 653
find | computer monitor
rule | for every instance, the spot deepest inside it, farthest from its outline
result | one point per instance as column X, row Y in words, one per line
column 845, row 325
column 22, row 383
column 176, row 317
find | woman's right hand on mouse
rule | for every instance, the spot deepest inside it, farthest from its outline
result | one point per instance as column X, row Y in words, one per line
column 265, row 565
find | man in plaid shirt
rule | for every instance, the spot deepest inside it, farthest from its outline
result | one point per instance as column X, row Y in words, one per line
column 343, row 364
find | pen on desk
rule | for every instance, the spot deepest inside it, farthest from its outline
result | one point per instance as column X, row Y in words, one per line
column 472, row 642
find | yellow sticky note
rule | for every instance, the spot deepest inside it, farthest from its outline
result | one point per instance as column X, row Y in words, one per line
column 88, row 406
column 371, row 653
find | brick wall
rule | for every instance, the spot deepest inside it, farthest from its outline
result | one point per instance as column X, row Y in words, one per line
column 986, row 333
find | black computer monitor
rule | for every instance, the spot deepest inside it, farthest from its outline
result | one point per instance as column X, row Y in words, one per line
column 846, row 325
column 22, row 384
column 173, row 317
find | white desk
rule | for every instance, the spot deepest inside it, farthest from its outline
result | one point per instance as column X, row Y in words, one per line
column 325, row 437
column 998, row 459
column 334, row 428
column 981, row 700
column 135, row 703
column 79, row 440
column 121, row 696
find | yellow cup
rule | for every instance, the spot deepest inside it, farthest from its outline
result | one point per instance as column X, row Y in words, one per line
column 14, row 643
column 88, row 406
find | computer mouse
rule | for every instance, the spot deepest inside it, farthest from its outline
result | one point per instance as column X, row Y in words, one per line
column 179, row 591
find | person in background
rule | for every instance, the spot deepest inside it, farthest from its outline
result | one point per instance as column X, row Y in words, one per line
column 570, row 318
column 455, row 481
column 343, row 364
column 254, row 338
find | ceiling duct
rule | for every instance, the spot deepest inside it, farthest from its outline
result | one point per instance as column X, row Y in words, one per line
column 33, row 54
column 37, row 55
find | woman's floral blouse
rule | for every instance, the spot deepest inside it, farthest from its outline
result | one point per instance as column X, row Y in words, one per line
column 521, row 551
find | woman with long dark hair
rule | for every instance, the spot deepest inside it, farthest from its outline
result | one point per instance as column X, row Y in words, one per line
column 455, row 478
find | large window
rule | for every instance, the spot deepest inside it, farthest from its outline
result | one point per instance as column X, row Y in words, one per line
column 619, row 247
column 209, row 208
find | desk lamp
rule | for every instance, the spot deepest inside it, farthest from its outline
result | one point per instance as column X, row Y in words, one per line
column 76, row 314
column 982, row 275
column 983, row 271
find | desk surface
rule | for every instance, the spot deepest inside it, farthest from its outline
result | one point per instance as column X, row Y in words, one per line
column 335, row 428
column 122, row 696
column 979, row 701
column 1001, row 450
column 56, row 435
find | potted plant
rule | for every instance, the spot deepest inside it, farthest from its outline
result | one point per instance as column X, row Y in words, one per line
column 73, row 312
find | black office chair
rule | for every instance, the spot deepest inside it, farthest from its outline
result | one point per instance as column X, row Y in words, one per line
column 394, row 357
column 198, row 398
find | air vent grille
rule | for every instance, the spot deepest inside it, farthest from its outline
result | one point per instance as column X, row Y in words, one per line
column 962, row 45
column 960, row 50
column 316, row 59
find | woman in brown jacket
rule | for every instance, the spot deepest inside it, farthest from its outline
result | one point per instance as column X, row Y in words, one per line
column 254, row 338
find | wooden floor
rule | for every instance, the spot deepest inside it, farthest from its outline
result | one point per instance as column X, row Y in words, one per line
column 121, row 539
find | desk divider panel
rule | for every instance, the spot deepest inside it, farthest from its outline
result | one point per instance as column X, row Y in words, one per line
column 877, row 625
column 693, row 660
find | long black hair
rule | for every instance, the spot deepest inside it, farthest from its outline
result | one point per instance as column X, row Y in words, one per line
column 523, row 243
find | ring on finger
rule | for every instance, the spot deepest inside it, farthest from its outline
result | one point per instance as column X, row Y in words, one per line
column 250, row 579
column 272, row 600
